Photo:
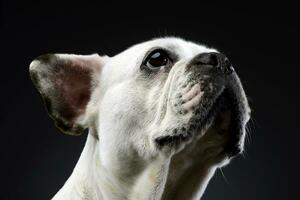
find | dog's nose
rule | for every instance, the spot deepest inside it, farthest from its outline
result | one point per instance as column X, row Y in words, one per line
column 217, row 60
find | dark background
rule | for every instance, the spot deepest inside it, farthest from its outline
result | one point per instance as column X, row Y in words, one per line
column 260, row 40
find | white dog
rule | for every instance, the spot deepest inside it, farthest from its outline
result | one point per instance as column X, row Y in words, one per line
column 162, row 116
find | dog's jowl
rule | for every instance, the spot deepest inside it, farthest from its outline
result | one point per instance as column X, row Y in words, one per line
column 162, row 116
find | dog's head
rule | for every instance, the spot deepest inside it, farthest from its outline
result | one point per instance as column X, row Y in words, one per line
column 158, row 94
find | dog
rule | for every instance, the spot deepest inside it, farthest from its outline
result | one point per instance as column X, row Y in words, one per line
column 162, row 116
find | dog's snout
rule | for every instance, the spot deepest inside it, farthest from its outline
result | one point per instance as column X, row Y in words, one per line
column 217, row 60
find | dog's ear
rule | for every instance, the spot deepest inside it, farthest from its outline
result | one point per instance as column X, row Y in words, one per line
column 66, row 83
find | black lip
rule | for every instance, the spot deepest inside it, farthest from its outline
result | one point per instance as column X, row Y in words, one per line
column 228, row 100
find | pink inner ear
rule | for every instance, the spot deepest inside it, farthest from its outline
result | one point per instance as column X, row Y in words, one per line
column 72, row 81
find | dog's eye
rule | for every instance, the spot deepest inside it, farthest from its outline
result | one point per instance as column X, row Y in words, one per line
column 157, row 58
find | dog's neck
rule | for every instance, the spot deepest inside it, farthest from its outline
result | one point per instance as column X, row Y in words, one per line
column 160, row 178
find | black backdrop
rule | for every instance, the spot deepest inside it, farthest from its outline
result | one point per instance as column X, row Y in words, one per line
column 261, row 41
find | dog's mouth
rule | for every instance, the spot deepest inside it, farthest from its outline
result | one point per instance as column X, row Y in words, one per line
column 225, row 110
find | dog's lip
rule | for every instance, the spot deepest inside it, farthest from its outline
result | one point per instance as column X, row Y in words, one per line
column 227, row 102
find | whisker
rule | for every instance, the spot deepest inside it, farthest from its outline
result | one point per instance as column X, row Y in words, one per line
column 223, row 175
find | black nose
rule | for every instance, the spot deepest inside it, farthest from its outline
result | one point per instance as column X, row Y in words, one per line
column 214, row 59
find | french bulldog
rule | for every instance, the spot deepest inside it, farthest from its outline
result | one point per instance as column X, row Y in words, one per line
column 162, row 116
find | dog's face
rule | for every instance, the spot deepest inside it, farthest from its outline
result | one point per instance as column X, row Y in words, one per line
column 157, row 96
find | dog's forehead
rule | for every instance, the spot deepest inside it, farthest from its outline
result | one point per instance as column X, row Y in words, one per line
column 181, row 47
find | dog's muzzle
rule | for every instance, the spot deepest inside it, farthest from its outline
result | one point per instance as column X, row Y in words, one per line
column 211, row 89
